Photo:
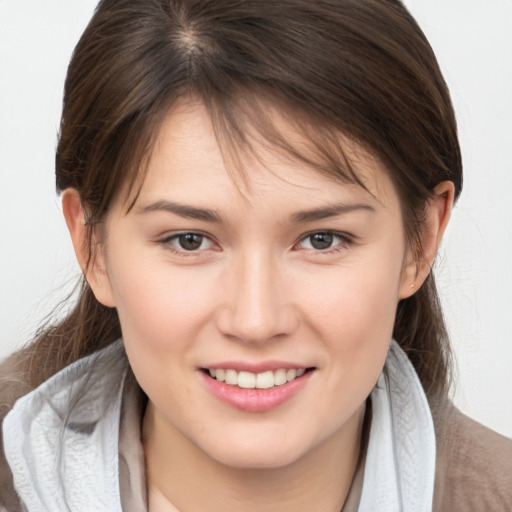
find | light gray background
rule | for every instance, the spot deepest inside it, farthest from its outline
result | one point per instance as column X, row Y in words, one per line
column 473, row 42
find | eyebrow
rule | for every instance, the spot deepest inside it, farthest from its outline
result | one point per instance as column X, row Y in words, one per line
column 205, row 214
column 329, row 211
column 183, row 210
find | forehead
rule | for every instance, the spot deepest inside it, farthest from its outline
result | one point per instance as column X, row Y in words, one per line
column 192, row 153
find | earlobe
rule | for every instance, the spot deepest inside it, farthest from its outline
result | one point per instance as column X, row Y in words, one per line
column 92, row 262
column 438, row 213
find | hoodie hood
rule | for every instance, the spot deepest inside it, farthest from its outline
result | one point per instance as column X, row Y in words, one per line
column 62, row 440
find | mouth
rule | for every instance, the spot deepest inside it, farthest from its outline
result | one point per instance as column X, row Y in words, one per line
column 258, row 391
column 263, row 380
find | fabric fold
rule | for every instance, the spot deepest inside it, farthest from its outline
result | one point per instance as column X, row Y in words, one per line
column 401, row 457
column 62, row 440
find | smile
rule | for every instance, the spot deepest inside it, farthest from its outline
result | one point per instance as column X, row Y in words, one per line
column 249, row 380
column 256, row 391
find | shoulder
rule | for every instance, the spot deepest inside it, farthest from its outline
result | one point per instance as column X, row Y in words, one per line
column 12, row 387
column 65, row 407
column 473, row 464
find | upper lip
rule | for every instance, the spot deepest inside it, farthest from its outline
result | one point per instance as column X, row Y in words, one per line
column 264, row 366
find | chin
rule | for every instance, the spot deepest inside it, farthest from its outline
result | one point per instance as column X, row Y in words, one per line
column 260, row 460
column 254, row 453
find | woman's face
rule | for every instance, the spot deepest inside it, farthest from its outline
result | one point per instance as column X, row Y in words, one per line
column 288, row 271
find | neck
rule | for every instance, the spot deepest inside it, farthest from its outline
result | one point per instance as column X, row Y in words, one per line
column 319, row 480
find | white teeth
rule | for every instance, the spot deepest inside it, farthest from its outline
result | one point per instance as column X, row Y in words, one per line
column 246, row 380
column 231, row 377
column 280, row 377
column 290, row 375
column 249, row 380
column 265, row 380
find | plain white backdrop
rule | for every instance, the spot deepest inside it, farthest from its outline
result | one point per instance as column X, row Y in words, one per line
column 473, row 42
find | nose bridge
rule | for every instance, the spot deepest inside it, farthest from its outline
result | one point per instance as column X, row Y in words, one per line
column 258, row 307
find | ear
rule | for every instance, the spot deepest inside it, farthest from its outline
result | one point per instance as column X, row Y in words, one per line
column 91, row 259
column 438, row 213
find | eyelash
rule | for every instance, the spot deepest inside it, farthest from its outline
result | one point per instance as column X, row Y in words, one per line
column 345, row 240
column 167, row 242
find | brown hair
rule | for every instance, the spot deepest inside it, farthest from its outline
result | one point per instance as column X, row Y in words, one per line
column 361, row 68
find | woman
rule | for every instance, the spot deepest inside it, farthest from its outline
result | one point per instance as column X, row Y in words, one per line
column 255, row 192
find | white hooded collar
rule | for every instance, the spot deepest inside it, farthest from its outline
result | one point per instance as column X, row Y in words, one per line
column 400, row 462
column 61, row 440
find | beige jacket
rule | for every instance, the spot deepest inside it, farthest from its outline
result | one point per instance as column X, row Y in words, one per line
column 473, row 464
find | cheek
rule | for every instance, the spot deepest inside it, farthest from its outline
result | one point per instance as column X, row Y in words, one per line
column 162, row 312
column 160, row 306
column 359, row 300
column 354, row 314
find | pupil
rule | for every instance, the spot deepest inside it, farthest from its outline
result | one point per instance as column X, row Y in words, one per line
column 190, row 241
column 321, row 240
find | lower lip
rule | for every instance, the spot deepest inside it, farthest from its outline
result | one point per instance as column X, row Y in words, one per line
column 255, row 400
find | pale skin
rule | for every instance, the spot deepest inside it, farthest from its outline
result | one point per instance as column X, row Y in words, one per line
column 255, row 287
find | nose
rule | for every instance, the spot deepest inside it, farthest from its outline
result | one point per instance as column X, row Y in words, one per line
column 257, row 305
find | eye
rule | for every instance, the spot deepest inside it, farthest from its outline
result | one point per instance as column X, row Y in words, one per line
column 323, row 241
column 188, row 242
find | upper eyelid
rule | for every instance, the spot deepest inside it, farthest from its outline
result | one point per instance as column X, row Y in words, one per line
column 342, row 234
column 174, row 234
column 347, row 237
column 166, row 239
column 344, row 243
